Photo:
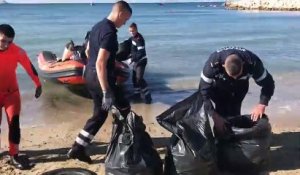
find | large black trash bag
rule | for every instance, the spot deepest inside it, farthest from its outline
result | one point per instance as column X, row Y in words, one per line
column 191, row 150
column 124, row 50
column 246, row 148
column 131, row 150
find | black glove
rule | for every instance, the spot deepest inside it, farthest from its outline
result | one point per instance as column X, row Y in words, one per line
column 107, row 100
column 38, row 92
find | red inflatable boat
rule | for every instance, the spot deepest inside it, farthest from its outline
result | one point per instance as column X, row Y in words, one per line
column 67, row 72
column 70, row 72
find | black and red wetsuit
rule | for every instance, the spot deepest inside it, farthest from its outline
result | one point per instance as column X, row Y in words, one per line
column 9, row 90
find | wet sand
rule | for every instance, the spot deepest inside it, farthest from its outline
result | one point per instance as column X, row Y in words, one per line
column 48, row 133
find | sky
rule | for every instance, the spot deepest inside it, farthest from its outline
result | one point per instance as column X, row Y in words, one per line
column 100, row 1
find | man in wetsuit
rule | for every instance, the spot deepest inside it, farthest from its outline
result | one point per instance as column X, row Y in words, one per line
column 225, row 82
column 139, row 59
column 10, row 55
column 100, row 77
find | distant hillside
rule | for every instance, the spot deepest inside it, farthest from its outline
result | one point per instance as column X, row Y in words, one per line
column 282, row 5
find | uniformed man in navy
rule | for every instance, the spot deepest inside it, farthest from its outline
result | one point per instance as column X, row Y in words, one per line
column 100, row 77
column 139, row 59
column 225, row 83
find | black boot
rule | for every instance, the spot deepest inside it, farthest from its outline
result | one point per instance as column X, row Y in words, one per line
column 20, row 162
column 79, row 154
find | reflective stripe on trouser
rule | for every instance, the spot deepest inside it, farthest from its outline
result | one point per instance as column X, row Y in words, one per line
column 145, row 91
column 92, row 126
column 12, row 105
column 94, row 123
column 137, row 90
column 84, row 138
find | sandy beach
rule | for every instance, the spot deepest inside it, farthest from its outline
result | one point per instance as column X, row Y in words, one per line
column 48, row 142
column 47, row 148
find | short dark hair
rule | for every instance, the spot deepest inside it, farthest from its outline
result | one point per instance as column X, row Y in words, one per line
column 7, row 30
column 234, row 64
column 124, row 5
column 133, row 25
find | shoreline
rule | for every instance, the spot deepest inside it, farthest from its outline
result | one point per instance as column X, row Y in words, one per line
column 58, row 105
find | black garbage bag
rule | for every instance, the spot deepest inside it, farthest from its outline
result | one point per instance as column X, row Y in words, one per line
column 246, row 148
column 191, row 150
column 124, row 50
column 131, row 150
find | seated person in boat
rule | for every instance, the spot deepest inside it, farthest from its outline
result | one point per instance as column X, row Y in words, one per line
column 75, row 52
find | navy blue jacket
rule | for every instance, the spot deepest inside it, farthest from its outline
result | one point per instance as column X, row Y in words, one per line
column 138, row 51
column 215, row 81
